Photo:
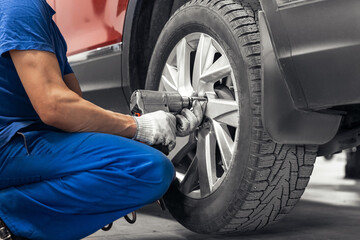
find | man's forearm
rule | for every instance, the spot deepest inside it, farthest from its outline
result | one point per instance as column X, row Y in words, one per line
column 72, row 113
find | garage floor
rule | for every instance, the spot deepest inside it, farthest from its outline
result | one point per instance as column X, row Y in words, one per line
column 329, row 209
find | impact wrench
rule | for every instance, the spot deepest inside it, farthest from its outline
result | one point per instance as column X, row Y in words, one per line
column 146, row 101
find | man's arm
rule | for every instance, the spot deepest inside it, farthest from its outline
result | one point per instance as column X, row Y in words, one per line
column 72, row 83
column 59, row 106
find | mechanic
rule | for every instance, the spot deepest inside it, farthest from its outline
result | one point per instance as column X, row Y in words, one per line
column 67, row 166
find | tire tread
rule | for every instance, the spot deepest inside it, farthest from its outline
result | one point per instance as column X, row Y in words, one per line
column 278, row 173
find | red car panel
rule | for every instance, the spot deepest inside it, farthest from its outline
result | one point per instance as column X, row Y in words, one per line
column 89, row 24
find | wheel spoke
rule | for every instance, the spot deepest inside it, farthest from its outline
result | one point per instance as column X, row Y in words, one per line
column 218, row 70
column 223, row 111
column 169, row 78
column 202, row 57
column 191, row 177
column 224, row 142
column 181, row 142
column 210, row 57
column 183, row 64
column 206, row 161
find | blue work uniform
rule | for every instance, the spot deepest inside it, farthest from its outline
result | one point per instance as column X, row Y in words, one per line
column 54, row 184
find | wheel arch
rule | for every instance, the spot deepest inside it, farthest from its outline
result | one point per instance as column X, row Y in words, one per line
column 144, row 22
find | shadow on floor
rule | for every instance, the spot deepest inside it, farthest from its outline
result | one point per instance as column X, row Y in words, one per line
column 309, row 220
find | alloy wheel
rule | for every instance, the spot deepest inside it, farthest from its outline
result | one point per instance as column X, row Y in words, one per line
column 198, row 66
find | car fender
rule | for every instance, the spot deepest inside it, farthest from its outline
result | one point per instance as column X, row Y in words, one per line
column 284, row 122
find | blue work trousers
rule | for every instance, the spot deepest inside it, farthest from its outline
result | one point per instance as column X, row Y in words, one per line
column 57, row 185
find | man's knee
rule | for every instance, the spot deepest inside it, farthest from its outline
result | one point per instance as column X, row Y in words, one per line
column 147, row 171
column 162, row 174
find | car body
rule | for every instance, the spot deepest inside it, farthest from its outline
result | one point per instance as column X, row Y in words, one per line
column 317, row 86
column 304, row 53
column 101, row 35
column 316, row 65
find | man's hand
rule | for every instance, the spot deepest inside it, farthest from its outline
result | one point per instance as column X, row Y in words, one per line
column 157, row 128
column 188, row 120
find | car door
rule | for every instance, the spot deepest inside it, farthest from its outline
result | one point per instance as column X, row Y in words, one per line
column 93, row 31
column 89, row 24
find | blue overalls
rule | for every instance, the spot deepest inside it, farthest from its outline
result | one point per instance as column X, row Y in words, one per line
column 53, row 184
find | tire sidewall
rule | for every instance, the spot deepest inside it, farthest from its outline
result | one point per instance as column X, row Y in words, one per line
column 209, row 213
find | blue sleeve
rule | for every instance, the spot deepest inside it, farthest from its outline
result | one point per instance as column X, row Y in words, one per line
column 68, row 68
column 24, row 25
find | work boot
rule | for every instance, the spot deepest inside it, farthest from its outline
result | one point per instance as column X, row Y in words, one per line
column 5, row 233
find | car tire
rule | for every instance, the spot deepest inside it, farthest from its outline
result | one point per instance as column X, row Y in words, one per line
column 264, row 180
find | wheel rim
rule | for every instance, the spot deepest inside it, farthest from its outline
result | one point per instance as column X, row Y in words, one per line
column 198, row 66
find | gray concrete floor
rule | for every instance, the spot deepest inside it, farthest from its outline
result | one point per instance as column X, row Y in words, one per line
column 329, row 209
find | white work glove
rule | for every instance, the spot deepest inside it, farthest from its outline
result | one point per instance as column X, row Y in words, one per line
column 188, row 120
column 156, row 128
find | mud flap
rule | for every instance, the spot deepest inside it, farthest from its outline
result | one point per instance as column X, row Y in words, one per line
column 283, row 122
